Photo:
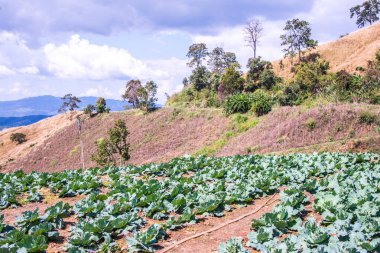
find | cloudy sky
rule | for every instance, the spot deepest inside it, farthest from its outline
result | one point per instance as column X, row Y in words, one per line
column 93, row 47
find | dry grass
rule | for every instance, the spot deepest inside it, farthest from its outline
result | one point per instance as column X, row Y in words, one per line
column 346, row 53
column 155, row 137
column 287, row 129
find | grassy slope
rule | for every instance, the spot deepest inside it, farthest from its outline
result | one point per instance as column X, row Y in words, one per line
column 168, row 133
column 347, row 53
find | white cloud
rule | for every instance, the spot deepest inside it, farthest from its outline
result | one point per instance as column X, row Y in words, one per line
column 80, row 59
column 30, row 70
column 5, row 71
column 18, row 88
column 99, row 91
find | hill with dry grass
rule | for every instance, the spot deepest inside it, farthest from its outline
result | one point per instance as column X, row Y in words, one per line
column 346, row 53
column 53, row 144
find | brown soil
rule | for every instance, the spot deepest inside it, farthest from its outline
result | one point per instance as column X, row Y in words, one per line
column 156, row 137
column 209, row 243
column 347, row 53
column 337, row 128
column 36, row 135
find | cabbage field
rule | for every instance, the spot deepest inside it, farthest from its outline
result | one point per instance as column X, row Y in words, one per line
column 140, row 204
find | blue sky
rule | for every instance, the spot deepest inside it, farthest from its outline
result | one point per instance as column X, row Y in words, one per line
column 93, row 47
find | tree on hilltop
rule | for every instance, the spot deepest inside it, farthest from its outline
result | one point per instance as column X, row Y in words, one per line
column 147, row 96
column 70, row 103
column 297, row 38
column 131, row 92
column 367, row 12
column 197, row 53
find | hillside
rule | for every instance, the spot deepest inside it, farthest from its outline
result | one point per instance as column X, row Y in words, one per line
column 53, row 144
column 346, row 53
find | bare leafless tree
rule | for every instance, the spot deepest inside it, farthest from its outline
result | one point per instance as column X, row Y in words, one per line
column 253, row 32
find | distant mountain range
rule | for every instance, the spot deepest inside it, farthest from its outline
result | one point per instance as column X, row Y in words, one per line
column 6, row 122
column 30, row 110
column 47, row 105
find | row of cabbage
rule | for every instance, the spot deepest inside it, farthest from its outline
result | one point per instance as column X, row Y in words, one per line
column 347, row 204
column 142, row 203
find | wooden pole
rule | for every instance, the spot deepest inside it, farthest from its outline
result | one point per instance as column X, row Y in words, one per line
column 81, row 143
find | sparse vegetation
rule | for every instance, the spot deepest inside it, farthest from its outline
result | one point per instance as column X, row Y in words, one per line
column 70, row 103
column 366, row 117
column 115, row 144
column 310, row 124
column 18, row 138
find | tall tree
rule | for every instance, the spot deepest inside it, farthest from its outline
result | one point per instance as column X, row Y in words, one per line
column 131, row 92
column 197, row 53
column 231, row 81
column 297, row 38
column 147, row 96
column 216, row 60
column 253, row 32
column 366, row 12
column 70, row 103
column 200, row 78
column 219, row 60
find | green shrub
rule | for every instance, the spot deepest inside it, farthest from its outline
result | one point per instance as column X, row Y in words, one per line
column 310, row 123
column 366, row 117
column 262, row 103
column 18, row 138
column 89, row 110
column 238, row 103
column 238, row 118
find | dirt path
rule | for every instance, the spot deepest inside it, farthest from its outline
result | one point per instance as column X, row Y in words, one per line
column 209, row 242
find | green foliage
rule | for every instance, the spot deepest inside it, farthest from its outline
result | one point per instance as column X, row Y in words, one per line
column 89, row 110
column 104, row 153
column 260, row 74
column 262, row 103
column 101, row 106
column 200, row 78
column 116, row 143
column 238, row 103
column 366, row 117
column 345, row 188
column 147, row 96
column 219, row 60
column 70, row 103
column 197, row 53
column 142, row 242
column 131, row 93
column 232, row 81
column 233, row 245
column 367, row 12
column 18, row 138
column 310, row 123
column 268, row 79
column 312, row 76
column 297, row 38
